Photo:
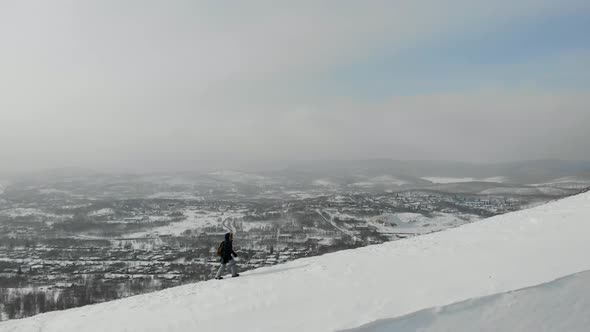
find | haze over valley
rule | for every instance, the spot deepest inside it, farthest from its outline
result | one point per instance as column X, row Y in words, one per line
column 72, row 237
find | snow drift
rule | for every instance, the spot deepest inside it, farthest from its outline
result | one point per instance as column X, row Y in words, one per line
column 350, row 289
column 560, row 305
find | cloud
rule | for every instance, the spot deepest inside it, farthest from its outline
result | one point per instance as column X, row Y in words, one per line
column 151, row 45
column 144, row 83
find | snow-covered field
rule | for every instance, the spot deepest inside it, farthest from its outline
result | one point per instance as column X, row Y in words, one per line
column 74, row 206
column 419, row 224
column 194, row 219
column 33, row 213
column 408, row 222
column 101, row 212
column 352, row 288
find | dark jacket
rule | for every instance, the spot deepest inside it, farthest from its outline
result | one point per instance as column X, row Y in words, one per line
column 228, row 250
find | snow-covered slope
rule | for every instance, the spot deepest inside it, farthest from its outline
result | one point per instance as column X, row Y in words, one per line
column 349, row 289
column 560, row 305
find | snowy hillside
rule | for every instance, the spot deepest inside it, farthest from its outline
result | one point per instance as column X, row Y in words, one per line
column 349, row 289
column 560, row 305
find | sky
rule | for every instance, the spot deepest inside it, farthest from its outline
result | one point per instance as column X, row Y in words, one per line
column 188, row 84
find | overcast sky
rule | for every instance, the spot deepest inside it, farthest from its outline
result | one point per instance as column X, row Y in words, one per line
column 178, row 85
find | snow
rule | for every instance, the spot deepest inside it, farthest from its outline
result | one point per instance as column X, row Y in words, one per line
column 176, row 195
column 349, row 289
column 340, row 199
column 446, row 180
column 510, row 191
column 101, row 212
column 323, row 183
column 416, row 223
column 407, row 222
column 498, row 179
column 387, row 180
column 194, row 219
column 52, row 191
column 365, row 184
column 30, row 212
column 342, row 230
column 570, row 179
column 551, row 191
column 569, row 182
column 75, row 206
column 303, row 195
column 250, row 225
column 560, row 305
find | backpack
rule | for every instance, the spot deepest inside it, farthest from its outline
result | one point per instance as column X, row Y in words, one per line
column 220, row 249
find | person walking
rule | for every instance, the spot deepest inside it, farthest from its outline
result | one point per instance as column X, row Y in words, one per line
column 226, row 251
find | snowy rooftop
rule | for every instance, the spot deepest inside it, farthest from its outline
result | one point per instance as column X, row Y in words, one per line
column 348, row 289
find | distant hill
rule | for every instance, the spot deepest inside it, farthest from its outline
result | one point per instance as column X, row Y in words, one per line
column 523, row 172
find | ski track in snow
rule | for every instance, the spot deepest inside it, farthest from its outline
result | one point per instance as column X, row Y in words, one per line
column 351, row 288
